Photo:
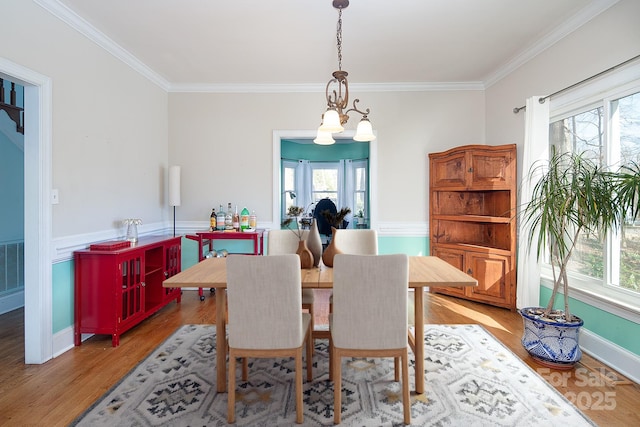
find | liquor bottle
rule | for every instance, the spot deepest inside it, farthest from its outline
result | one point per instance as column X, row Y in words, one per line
column 236, row 220
column 212, row 220
column 220, row 220
column 228, row 219
column 253, row 220
column 244, row 219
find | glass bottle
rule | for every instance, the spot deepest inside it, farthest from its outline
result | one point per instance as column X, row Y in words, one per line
column 220, row 220
column 253, row 220
column 212, row 220
column 236, row 220
column 244, row 219
column 228, row 219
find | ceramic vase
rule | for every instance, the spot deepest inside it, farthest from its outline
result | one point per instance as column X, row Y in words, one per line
column 314, row 243
column 552, row 343
column 331, row 251
column 306, row 257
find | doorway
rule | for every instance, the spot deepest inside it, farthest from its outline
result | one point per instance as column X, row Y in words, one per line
column 37, row 210
column 278, row 136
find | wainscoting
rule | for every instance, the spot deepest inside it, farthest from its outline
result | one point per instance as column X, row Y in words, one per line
column 11, row 276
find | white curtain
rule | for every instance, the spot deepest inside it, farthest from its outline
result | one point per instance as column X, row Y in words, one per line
column 303, row 184
column 535, row 148
column 346, row 177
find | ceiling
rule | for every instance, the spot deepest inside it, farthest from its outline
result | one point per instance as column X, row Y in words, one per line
column 191, row 43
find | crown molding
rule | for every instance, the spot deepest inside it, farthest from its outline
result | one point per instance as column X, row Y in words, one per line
column 585, row 15
column 321, row 87
column 78, row 23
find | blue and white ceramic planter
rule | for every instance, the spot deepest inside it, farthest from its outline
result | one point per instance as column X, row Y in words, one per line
column 552, row 343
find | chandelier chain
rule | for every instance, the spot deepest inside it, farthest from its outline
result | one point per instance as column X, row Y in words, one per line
column 339, row 39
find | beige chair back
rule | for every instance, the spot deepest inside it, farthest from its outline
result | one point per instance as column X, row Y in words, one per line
column 357, row 242
column 281, row 242
column 370, row 301
column 264, row 301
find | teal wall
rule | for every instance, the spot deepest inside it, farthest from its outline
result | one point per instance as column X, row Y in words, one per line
column 62, row 310
column 609, row 326
column 294, row 151
column 11, row 179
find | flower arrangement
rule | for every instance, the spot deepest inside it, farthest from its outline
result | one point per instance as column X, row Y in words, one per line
column 293, row 213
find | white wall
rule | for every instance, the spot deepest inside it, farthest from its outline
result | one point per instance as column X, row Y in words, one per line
column 224, row 144
column 110, row 143
column 609, row 39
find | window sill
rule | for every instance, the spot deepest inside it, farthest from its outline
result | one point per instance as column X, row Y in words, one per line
column 620, row 303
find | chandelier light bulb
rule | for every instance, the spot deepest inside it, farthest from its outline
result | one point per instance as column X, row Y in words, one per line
column 364, row 132
column 324, row 138
column 331, row 122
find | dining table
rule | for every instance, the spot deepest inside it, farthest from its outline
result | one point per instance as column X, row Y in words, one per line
column 424, row 271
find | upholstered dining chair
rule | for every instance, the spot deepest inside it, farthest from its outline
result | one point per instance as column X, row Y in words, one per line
column 280, row 242
column 369, row 317
column 265, row 319
column 353, row 242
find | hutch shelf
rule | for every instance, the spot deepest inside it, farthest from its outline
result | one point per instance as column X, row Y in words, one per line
column 117, row 286
column 472, row 219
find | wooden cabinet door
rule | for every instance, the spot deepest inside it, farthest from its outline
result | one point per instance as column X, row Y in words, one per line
column 449, row 171
column 131, row 288
column 493, row 273
column 172, row 266
column 491, row 169
column 455, row 258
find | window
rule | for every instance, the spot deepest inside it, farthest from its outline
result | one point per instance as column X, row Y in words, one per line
column 609, row 131
column 324, row 181
column 344, row 182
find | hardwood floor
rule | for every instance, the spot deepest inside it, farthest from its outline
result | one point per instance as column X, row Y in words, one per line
column 54, row 393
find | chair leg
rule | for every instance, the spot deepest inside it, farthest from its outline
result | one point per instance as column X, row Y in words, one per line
column 245, row 369
column 331, row 361
column 309, row 354
column 309, row 308
column 299, row 413
column 406, row 399
column 396, row 369
column 231, row 390
column 337, row 386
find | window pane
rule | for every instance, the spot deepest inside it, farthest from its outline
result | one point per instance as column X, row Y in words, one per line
column 325, row 184
column 626, row 137
column 288, row 187
column 582, row 133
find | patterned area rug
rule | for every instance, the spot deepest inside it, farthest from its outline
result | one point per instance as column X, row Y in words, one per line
column 471, row 380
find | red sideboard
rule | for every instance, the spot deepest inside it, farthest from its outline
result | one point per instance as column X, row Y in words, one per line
column 118, row 287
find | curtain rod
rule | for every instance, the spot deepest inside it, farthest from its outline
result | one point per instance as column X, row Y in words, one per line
column 516, row 110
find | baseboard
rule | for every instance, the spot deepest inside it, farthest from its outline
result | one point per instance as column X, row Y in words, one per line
column 62, row 341
column 612, row 355
column 11, row 302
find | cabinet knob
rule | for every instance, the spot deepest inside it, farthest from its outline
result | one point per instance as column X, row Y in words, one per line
column 469, row 272
column 143, row 284
column 470, row 170
column 166, row 274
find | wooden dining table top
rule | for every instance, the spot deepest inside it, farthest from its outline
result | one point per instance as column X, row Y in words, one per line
column 423, row 271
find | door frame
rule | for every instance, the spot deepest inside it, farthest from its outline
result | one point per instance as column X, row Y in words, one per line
column 38, row 286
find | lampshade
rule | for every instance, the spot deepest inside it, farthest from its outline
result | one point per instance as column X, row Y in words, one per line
column 331, row 122
column 324, row 138
column 364, row 132
column 174, row 186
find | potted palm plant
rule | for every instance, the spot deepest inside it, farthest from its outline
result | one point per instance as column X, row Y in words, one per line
column 573, row 196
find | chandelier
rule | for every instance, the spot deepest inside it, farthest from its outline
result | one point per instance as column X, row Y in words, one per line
column 337, row 94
